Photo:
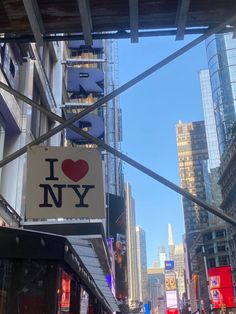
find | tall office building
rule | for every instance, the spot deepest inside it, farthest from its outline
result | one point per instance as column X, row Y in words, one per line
column 142, row 264
column 209, row 119
column 179, row 268
column 171, row 245
column 214, row 238
column 161, row 256
column 211, row 173
column 113, row 120
column 132, row 261
column 156, row 290
column 192, row 151
column 221, row 54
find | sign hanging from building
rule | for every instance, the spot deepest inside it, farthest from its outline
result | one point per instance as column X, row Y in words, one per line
column 169, row 265
column 64, row 182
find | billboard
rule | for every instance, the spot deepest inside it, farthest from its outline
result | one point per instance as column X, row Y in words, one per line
column 117, row 229
column 171, row 300
column 64, row 182
column 172, row 311
column 170, row 282
column 221, row 287
column 169, row 265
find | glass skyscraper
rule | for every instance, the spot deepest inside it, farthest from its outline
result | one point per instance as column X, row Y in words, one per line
column 209, row 119
column 221, row 54
column 211, row 177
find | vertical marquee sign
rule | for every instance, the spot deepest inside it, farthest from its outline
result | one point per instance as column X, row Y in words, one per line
column 64, row 182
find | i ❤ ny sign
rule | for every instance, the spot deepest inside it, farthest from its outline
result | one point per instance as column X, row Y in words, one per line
column 64, row 182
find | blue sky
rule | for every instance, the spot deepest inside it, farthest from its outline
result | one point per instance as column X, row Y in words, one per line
column 150, row 111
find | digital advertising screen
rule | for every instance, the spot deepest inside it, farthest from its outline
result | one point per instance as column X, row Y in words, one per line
column 172, row 311
column 169, row 265
column 221, row 287
column 117, row 226
column 65, row 292
column 171, row 300
column 170, row 282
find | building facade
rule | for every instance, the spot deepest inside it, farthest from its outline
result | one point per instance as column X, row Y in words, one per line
column 209, row 119
column 38, row 74
column 161, row 256
column 192, row 151
column 142, row 264
column 132, row 260
column 53, row 76
column 228, row 187
column 179, row 269
column 171, row 244
column 221, row 55
column 156, row 290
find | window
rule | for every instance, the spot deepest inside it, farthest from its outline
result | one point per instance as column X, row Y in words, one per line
column 221, row 248
column 40, row 123
column 210, row 250
column 2, row 137
column 207, row 236
column 211, row 263
column 220, row 234
column 223, row 260
column 12, row 68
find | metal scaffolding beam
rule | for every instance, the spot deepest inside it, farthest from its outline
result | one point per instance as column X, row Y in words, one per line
column 112, row 35
column 100, row 102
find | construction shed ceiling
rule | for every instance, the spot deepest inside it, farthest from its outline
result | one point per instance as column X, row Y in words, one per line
column 91, row 17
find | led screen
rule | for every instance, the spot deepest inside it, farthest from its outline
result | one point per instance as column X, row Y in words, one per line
column 170, row 282
column 65, row 292
column 169, row 265
column 221, row 287
column 171, row 299
column 172, row 311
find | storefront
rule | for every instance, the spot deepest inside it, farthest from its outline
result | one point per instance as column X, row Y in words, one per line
column 43, row 273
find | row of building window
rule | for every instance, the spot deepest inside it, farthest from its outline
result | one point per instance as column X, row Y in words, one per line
column 218, row 261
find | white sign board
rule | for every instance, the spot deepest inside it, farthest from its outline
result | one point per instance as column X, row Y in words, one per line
column 64, row 182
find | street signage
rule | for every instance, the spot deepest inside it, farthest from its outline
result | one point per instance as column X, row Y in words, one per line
column 64, row 182
column 169, row 265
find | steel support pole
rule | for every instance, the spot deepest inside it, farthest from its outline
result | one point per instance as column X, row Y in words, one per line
column 214, row 210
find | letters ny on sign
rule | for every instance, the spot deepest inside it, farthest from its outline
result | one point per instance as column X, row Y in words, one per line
column 64, row 182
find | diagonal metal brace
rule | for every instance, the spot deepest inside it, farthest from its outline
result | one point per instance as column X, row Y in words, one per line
column 214, row 210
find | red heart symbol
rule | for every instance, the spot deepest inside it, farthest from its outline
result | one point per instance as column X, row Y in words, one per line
column 75, row 170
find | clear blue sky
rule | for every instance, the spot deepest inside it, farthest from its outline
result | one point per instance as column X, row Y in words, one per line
column 150, row 111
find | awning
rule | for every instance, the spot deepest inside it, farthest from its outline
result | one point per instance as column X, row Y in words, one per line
column 86, row 252
column 76, row 253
